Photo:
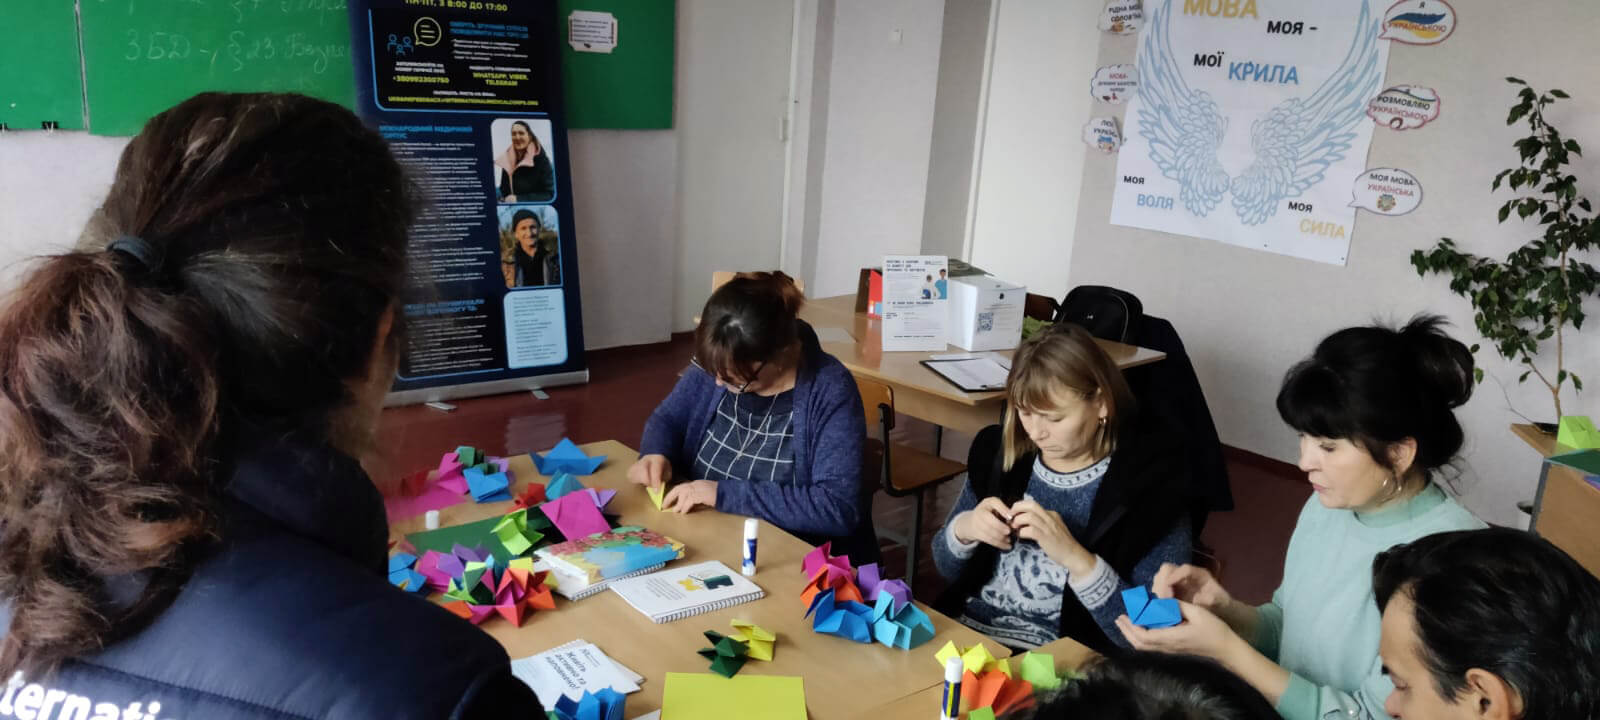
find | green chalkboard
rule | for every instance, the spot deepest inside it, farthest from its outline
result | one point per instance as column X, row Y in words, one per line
column 631, row 86
column 143, row 56
column 40, row 79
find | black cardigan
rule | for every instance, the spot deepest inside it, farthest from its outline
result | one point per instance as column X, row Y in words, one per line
column 1140, row 499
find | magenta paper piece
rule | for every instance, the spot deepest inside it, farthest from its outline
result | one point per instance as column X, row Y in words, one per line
column 576, row 515
column 434, row 497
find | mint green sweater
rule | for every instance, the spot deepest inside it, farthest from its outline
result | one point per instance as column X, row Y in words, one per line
column 1323, row 623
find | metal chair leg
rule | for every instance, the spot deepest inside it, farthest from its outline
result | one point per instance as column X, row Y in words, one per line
column 916, row 540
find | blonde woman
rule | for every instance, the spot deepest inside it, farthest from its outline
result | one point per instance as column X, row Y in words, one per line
column 1068, row 503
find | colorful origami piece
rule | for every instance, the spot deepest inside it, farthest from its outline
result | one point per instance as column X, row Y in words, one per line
column 860, row 605
column 562, row 484
column 845, row 618
column 607, row 704
column 487, row 487
column 1148, row 611
column 450, row 478
column 532, row 496
column 975, row 659
column 514, row 592
column 871, row 586
column 726, row 654
column 514, row 533
column 996, row 691
column 981, row 714
column 1039, row 669
column 403, row 576
column 575, row 515
column 759, row 640
column 566, row 457
column 903, row 628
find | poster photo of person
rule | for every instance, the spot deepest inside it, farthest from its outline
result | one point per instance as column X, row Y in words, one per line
column 523, row 169
column 530, row 246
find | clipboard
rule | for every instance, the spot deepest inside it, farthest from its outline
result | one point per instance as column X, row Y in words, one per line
column 971, row 374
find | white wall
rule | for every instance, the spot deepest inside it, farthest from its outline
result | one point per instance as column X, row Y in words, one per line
column 955, row 126
column 49, row 185
column 1245, row 316
column 732, row 90
column 879, row 129
column 1032, row 154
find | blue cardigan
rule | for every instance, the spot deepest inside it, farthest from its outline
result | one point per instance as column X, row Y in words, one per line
column 828, row 500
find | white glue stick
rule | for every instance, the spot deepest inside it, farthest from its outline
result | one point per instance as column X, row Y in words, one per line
column 431, row 520
column 950, row 704
column 750, row 527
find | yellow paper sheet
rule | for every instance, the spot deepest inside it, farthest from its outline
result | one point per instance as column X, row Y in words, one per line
column 699, row 696
column 656, row 495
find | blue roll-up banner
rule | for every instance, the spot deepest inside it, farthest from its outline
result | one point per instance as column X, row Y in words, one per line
column 468, row 94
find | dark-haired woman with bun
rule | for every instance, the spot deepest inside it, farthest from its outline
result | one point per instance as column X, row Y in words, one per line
column 1374, row 409
column 764, row 423
column 185, row 527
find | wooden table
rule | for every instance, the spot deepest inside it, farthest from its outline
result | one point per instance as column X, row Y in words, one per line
column 918, row 391
column 924, row 705
column 840, row 676
column 1565, row 506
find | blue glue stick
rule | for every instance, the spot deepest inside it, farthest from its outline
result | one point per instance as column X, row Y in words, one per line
column 750, row 527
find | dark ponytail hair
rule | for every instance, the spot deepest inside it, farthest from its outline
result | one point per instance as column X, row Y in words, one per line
column 1156, row 686
column 748, row 321
column 1378, row 386
column 260, row 239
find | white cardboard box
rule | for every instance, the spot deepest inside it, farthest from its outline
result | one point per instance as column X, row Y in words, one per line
column 985, row 313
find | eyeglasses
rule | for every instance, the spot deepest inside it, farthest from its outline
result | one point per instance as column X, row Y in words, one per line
column 696, row 362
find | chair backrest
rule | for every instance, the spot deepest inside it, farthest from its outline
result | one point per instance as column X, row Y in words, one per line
column 1040, row 307
column 1106, row 312
column 877, row 401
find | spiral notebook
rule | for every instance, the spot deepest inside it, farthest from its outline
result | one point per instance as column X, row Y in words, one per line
column 688, row 590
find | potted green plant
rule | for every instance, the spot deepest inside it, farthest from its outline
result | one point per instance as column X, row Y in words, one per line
column 1537, row 291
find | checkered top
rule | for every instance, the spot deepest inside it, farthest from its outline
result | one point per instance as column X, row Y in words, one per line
column 750, row 438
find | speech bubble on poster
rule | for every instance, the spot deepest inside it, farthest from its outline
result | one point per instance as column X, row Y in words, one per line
column 1122, row 17
column 1386, row 191
column 1114, row 83
column 1419, row 22
column 1101, row 133
column 1404, row 107
column 427, row 31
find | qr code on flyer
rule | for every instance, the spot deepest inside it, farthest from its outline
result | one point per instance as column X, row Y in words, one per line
column 986, row 322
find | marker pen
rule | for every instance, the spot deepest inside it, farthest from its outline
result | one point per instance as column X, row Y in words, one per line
column 950, row 705
column 750, row 527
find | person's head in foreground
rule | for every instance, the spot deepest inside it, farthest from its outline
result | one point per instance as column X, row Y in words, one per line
column 1496, row 624
column 256, row 246
column 1156, row 686
column 1374, row 409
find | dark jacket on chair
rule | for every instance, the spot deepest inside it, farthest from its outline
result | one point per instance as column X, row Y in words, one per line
column 1139, row 501
column 292, row 616
column 1171, row 391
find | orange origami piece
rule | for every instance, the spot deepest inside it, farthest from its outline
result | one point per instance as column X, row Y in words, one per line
column 831, row 577
column 531, row 496
column 995, row 690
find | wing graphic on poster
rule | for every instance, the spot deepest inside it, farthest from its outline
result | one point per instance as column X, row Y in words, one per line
column 1296, row 141
column 1183, row 126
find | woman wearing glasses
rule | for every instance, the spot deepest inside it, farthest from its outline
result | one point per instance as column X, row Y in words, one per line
column 764, row 423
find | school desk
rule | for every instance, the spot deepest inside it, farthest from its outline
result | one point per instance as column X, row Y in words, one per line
column 924, row 705
column 918, row 391
column 1565, row 505
column 841, row 676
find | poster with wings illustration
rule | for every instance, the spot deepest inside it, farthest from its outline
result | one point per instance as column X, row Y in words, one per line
column 1249, row 126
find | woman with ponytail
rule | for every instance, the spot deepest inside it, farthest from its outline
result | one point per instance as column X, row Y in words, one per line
column 185, row 527
column 1374, row 409
column 764, row 423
